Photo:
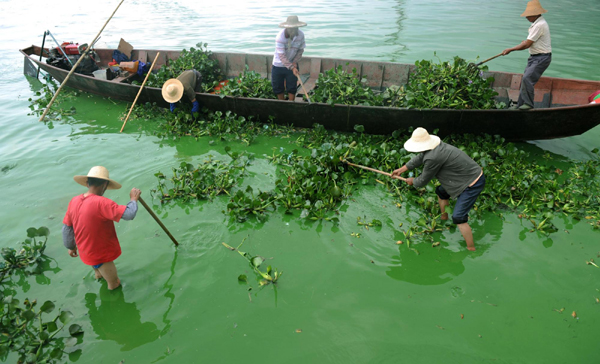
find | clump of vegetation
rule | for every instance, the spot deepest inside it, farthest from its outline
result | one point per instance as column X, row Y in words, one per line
column 198, row 59
column 226, row 126
column 204, row 181
column 248, row 84
column 445, row 85
column 244, row 204
column 40, row 104
column 24, row 332
column 337, row 86
column 448, row 85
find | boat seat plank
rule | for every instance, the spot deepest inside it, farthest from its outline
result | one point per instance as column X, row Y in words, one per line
column 123, row 78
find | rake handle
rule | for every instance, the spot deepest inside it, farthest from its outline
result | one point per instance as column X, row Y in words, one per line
column 157, row 220
column 376, row 171
column 489, row 59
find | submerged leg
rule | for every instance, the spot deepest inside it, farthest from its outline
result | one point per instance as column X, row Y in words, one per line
column 109, row 272
column 467, row 234
column 97, row 273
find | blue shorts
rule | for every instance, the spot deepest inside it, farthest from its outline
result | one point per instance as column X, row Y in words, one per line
column 465, row 201
column 281, row 74
column 97, row 265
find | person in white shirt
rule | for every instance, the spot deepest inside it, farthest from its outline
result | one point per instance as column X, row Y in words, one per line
column 540, row 50
column 289, row 46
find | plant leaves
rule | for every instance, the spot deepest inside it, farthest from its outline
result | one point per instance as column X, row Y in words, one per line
column 47, row 307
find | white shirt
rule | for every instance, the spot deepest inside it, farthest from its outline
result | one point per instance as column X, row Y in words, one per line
column 539, row 33
column 289, row 48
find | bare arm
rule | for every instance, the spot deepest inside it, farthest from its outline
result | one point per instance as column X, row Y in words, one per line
column 523, row 45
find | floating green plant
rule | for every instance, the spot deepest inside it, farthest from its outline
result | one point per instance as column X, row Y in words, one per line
column 23, row 329
column 255, row 261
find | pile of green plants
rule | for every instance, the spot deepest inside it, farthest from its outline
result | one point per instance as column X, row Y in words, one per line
column 204, row 181
column 337, row 86
column 248, row 84
column 198, row 59
column 25, row 328
column 448, row 85
column 454, row 84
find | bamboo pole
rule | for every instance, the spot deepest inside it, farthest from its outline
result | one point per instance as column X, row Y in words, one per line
column 374, row 170
column 76, row 64
column 139, row 92
column 158, row 220
column 306, row 93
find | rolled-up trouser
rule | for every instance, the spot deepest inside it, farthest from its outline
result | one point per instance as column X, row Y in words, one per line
column 464, row 201
column 536, row 65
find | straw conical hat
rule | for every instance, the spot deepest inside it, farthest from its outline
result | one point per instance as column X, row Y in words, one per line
column 100, row 173
column 172, row 90
column 421, row 141
column 292, row 22
column 534, row 8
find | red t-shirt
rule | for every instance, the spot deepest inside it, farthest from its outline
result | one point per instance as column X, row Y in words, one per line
column 92, row 220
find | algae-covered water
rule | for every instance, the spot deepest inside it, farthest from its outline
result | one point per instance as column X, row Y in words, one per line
column 341, row 299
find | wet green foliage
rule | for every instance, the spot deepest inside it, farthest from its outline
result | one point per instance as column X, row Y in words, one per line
column 204, row 181
column 247, row 203
column 225, row 126
column 448, row 85
column 198, row 59
column 23, row 329
column 49, row 88
column 27, row 258
column 248, row 84
column 270, row 276
column 337, row 86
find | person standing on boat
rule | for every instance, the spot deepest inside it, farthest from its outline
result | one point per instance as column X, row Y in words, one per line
column 88, row 226
column 289, row 47
column 190, row 82
column 540, row 50
column 459, row 175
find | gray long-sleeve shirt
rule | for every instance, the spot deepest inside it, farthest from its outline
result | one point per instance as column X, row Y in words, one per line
column 192, row 81
column 451, row 166
column 68, row 233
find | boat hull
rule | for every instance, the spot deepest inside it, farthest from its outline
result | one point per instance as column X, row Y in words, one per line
column 540, row 123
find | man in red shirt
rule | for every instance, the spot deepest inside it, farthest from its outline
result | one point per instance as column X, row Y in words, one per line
column 88, row 224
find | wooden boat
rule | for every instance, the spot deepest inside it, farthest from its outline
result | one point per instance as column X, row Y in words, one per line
column 561, row 105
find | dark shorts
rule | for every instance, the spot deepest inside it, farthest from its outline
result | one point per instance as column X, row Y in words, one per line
column 97, row 265
column 465, row 201
column 281, row 74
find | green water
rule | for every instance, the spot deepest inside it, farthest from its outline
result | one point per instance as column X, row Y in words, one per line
column 357, row 300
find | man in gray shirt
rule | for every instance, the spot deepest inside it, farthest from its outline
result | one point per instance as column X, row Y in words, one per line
column 459, row 175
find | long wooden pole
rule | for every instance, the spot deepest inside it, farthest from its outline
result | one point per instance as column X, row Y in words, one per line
column 489, row 59
column 76, row 64
column 306, row 93
column 139, row 92
column 374, row 170
column 158, row 220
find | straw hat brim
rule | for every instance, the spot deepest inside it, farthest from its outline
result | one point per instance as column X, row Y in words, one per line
column 112, row 185
column 534, row 8
column 416, row 147
column 179, row 88
column 292, row 25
